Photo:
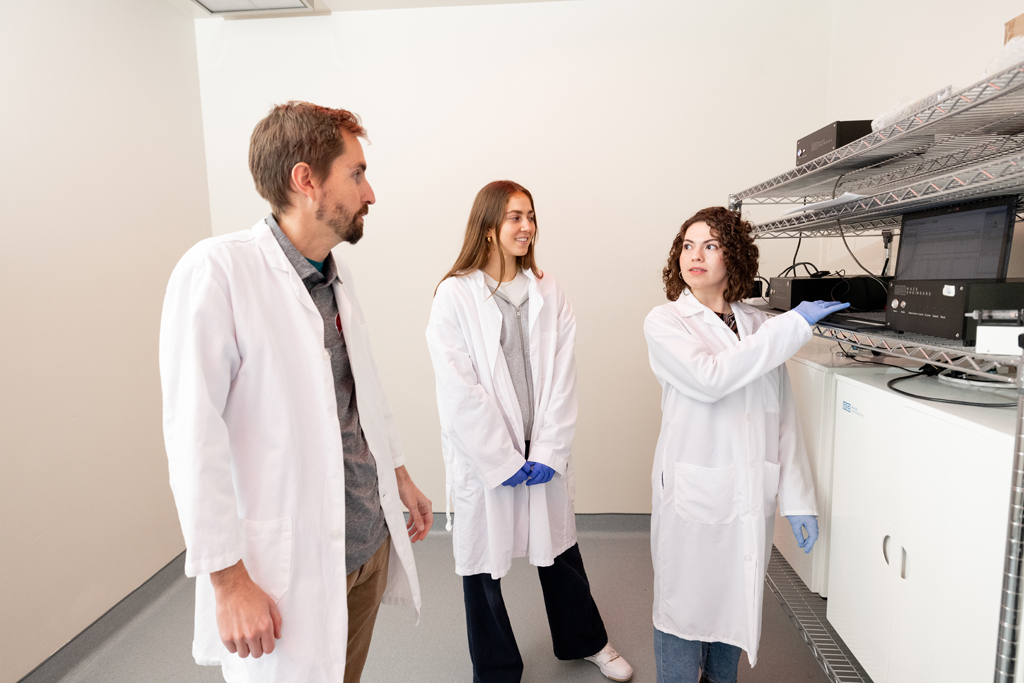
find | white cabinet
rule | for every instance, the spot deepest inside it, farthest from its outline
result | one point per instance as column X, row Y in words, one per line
column 813, row 371
column 919, row 505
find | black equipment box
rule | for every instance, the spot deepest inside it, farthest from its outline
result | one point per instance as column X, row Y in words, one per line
column 862, row 292
column 830, row 138
column 937, row 307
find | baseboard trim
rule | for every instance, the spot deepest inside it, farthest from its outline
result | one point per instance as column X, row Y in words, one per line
column 61, row 662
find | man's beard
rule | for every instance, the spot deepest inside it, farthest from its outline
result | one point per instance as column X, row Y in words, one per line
column 347, row 226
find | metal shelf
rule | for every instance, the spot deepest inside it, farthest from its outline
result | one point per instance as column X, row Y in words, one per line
column 992, row 107
column 997, row 175
column 919, row 348
column 926, row 350
column 779, row 229
column 807, row 612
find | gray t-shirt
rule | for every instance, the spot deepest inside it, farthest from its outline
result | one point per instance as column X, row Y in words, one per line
column 365, row 526
column 515, row 341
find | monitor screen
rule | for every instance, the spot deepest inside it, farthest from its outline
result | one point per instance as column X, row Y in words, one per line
column 962, row 242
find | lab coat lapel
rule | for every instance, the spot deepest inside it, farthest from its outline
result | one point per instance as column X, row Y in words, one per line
column 688, row 305
column 357, row 347
column 744, row 323
column 536, row 304
column 281, row 265
column 490, row 321
column 501, row 381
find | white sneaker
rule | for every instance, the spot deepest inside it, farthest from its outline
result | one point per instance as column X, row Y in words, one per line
column 612, row 664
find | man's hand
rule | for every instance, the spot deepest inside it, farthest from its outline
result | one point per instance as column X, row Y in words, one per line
column 421, row 513
column 247, row 618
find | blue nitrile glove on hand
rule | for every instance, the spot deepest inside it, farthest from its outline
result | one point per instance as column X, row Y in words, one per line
column 809, row 522
column 541, row 474
column 521, row 475
column 814, row 311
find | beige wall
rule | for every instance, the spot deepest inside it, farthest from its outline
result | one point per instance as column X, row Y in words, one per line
column 103, row 185
column 622, row 118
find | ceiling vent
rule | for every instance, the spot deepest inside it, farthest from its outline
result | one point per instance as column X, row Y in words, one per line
column 232, row 6
column 251, row 9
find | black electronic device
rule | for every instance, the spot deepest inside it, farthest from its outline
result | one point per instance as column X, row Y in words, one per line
column 957, row 242
column 938, row 308
column 830, row 138
column 862, row 292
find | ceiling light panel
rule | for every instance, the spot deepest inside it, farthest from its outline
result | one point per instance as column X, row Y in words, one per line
column 222, row 6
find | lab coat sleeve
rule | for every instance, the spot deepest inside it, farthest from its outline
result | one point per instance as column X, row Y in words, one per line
column 796, row 484
column 553, row 443
column 469, row 415
column 198, row 361
column 394, row 442
column 680, row 358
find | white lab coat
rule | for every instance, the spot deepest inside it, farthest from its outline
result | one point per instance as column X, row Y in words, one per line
column 729, row 444
column 482, row 436
column 255, row 451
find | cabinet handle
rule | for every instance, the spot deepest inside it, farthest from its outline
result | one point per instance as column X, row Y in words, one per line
column 885, row 549
column 903, row 566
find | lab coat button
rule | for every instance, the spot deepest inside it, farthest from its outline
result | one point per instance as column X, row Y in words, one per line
column 748, row 417
column 327, row 354
column 747, row 558
column 337, row 535
column 751, row 462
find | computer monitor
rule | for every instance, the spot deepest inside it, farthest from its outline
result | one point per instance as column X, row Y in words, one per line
column 959, row 242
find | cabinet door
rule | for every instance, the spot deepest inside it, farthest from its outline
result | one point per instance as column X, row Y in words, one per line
column 951, row 520
column 862, row 554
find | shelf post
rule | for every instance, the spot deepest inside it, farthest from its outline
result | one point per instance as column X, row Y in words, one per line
column 1013, row 569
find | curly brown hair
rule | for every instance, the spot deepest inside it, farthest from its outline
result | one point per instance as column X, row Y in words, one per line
column 738, row 250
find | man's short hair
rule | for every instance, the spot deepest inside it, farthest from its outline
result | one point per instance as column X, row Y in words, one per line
column 292, row 133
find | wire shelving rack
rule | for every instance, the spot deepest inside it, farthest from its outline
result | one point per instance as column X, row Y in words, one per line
column 967, row 146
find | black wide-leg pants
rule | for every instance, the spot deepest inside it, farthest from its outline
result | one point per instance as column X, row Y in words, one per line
column 577, row 630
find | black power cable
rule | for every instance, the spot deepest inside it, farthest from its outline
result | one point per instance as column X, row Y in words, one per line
column 931, row 371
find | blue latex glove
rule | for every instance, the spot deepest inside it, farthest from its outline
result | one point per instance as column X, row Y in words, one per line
column 521, row 475
column 541, row 474
column 808, row 522
column 813, row 311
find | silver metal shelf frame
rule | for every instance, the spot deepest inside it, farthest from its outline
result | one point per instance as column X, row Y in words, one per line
column 990, row 107
column 1004, row 175
column 969, row 146
column 926, row 351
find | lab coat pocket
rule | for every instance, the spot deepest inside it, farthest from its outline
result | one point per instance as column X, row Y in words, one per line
column 705, row 495
column 268, row 554
column 771, row 487
column 772, row 390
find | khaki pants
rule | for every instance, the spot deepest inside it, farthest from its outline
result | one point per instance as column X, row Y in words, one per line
column 365, row 589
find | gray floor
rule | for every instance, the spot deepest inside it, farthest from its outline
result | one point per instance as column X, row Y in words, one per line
column 148, row 637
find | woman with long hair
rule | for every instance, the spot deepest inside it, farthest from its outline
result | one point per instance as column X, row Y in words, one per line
column 501, row 337
column 730, row 446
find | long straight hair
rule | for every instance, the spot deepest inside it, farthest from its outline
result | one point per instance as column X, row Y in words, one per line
column 488, row 213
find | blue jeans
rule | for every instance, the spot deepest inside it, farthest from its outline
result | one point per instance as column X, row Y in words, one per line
column 682, row 661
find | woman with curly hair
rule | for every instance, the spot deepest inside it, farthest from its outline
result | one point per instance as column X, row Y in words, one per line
column 729, row 446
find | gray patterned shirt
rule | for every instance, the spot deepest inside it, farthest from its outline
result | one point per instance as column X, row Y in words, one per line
column 365, row 526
